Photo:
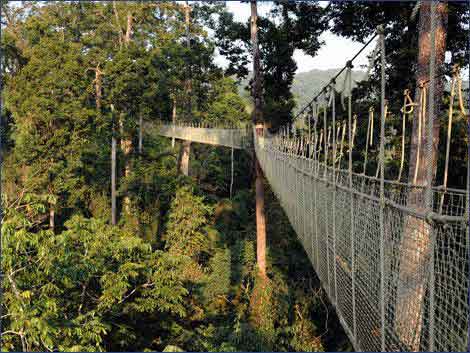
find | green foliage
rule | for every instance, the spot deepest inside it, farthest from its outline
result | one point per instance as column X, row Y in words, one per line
column 187, row 224
column 217, row 284
column 68, row 291
column 226, row 103
column 179, row 270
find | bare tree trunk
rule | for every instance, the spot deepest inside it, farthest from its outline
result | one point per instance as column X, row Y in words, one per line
column 127, row 37
column 118, row 24
column 126, row 148
column 257, row 117
column 173, row 119
column 188, row 83
column 126, row 142
column 260, row 221
column 98, row 87
column 51, row 217
column 422, row 77
column 415, row 244
column 186, row 145
column 113, row 170
column 141, row 122
column 184, row 162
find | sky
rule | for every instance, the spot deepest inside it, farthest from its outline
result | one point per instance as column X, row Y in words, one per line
column 332, row 55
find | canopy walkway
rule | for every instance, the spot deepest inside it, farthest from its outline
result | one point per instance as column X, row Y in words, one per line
column 339, row 227
column 233, row 138
column 392, row 256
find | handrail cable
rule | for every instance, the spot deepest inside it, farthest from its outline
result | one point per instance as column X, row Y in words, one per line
column 349, row 62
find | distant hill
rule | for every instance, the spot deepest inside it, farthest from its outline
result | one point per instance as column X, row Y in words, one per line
column 307, row 84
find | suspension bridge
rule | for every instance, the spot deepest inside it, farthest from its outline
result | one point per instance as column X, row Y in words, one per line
column 391, row 255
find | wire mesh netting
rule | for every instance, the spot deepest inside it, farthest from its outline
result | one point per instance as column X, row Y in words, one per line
column 337, row 220
column 339, row 227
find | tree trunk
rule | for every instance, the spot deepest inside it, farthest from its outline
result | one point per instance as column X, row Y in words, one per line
column 257, row 117
column 186, row 145
column 113, row 171
column 188, row 83
column 127, row 37
column 141, row 122
column 422, row 77
column 184, row 159
column 173, row 119
column 260, row 221
column 51, row 217
column 98, row 87
column 126, row 148
column 416, row 244
column 118, row 24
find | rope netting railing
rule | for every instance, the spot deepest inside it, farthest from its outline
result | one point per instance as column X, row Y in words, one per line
column 339, row 227
column 222, row 134
column 391, row 255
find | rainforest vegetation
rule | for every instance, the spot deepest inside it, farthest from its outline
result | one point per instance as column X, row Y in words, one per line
column 177, row 270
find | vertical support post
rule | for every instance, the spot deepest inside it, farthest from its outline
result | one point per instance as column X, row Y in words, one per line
column 333, row 115
column 113, row 168
column 468, row 196
column 325, row 197
column 296, row 193
column 314, row 172
column 325, row 138
column 429, row 172
column 351, row 201
column 304, row 195
column 380, row 30
column 468, row 199
column 309, row 117
column 317, row 208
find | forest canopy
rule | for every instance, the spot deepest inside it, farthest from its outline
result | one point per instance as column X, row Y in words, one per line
column 108, row 244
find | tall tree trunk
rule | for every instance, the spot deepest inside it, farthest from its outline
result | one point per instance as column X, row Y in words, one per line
column 422, row 76
column 188, row 83
column 173, row 119
column 416, row 242
column 98, row 87
column 51, row 217
column 126, row 148
column 184, row 162
column 186, row 145
column 257, row 117
column 118, row 23
column 127, row 37
column 141, row 123
column 113, row 170
column 126, row 142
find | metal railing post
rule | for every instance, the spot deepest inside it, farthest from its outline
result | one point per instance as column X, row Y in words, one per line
column 429, row 175
column 333, row 115
column 382, row 185
column 351, row 201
